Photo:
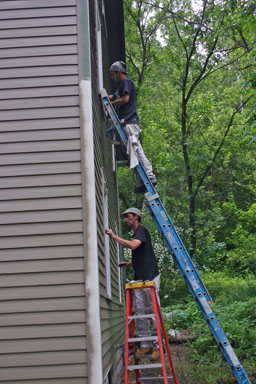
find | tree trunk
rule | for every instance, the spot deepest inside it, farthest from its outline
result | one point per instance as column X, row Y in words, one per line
column 192, row 200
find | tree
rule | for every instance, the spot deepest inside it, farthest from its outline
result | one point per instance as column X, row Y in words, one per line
column 195, row 94
column 141, row 24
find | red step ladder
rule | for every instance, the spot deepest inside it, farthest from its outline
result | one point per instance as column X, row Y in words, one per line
column 130, row 337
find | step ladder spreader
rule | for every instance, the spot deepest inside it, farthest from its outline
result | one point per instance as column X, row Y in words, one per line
column 180, row 254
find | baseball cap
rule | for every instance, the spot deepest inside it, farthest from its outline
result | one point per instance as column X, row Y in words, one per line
column 136, row 211
column 118, row 66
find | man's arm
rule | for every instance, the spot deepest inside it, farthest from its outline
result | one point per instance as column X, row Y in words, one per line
column 120, row 100
column 132, row 244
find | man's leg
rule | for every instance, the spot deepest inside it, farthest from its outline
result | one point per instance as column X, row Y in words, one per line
column 140, row 301
column 134, row 129
column 156, row 355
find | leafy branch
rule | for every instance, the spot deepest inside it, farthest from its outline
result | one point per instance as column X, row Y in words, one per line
column 230, row 124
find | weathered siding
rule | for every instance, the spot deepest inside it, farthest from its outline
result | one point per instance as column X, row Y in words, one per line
column 42, row 303
column 112, row 321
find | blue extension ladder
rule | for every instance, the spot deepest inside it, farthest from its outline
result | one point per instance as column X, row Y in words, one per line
column 180, row 254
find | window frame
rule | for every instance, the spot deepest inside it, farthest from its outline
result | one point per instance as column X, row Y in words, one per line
column 106, row 238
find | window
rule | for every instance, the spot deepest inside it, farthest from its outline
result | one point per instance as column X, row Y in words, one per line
column 107, row 251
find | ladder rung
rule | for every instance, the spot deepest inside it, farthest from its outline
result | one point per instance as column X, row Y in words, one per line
column 146, row 338
column 141, row 317
column 153, row 379
column 151, row 333
column 144, row 366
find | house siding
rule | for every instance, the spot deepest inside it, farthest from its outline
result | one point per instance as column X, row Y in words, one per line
column 43, row 303
column 42, row 296
column 112, row 314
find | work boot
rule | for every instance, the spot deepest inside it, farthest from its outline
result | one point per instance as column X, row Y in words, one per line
column 140, row 187
column 155, row 355
column 142, row 352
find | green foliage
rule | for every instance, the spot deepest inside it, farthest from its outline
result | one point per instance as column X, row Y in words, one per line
column 241, row 256
column 237, row 319
column 235, row 310
column 226, row 289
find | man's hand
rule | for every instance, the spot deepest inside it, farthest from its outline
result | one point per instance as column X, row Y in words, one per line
column 124, row 264
column 132, row 244
column 110, row 233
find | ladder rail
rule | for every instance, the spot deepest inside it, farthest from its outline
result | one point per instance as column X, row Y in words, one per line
column 180, row 255
column 167, row 346
column 157, row 317
column 157, row 311
column 126, row 357
column 128, row 324
column 174, row 243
